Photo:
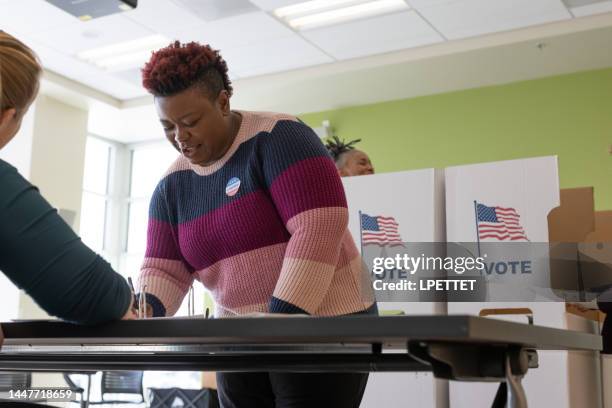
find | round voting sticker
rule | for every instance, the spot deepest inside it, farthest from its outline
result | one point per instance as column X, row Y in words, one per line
column 232, row 186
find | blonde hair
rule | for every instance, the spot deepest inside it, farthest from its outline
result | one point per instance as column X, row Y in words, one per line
column 19, row 73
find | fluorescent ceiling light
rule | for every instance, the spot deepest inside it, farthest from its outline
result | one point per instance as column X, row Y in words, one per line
column 312, row 7
column 124, row 55
column 317, row 13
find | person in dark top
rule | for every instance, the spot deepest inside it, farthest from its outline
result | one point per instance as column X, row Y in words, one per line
column 39, row 252
column 349, row 161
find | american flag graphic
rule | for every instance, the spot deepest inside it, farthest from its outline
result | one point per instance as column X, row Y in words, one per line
column 502, row 224
column 379, row 230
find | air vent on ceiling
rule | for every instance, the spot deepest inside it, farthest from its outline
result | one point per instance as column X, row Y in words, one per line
column 211, row 10
column 89, row 9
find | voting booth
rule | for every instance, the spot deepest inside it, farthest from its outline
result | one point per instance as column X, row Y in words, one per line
column 503, row 207
column 394, row 208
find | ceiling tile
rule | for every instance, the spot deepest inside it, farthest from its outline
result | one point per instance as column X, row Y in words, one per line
column 467, row 18
column 91, row 34
column 163, row 16
column 274, row 4
column 237, row 31
column 84, row 73
column 374, row 36
column 211, row 10
column 597, row 8
column 273, row 56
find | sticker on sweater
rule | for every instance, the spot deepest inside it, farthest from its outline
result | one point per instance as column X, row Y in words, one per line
column 232, row 186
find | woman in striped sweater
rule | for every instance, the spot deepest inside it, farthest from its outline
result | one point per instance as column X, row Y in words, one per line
column 254, row 209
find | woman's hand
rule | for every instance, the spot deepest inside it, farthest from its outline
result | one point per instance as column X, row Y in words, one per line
column 132, row 312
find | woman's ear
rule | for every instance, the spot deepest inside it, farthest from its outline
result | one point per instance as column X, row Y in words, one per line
column 223, row 101
column 6, row 117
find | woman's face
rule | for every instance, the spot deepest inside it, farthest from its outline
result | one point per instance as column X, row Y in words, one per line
column 10, row 123
column 357, row 163
column 196, row 125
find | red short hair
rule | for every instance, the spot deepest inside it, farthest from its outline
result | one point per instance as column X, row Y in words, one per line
column 178, row 67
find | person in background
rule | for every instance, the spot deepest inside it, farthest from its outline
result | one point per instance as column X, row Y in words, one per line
column 253, row 209
column 39, row 252
column 349, row 161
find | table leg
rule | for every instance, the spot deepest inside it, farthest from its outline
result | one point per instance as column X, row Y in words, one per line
column 514, row 387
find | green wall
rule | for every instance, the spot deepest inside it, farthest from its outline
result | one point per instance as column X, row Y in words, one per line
column 569, row 116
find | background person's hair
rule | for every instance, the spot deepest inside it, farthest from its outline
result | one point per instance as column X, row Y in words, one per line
column 178, row 67
column 337, row 148
column 19, row 73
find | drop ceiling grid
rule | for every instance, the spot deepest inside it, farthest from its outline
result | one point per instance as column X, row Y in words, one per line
column 597, row 8
column 377, row 35
column 92, row 34
column 275, row 55
column 163, row 16
column 457, row 19
column 237, row 31
column 257, row 43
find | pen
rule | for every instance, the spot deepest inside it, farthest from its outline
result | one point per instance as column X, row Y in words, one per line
column 129, row 279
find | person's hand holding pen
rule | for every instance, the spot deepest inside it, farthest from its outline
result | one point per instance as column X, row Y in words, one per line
column 139, row 309
column 132, row 312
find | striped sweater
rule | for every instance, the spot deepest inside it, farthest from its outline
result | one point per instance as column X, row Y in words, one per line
column 264, row 228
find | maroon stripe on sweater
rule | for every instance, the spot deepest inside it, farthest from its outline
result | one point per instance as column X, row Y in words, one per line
column 319, row 186
column 160, row 241
column 247, row 223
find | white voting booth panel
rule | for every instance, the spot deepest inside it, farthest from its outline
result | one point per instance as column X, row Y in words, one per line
column 530, row 188
column 415, row 200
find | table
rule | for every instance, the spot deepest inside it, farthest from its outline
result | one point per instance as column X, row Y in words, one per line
column 463, row 348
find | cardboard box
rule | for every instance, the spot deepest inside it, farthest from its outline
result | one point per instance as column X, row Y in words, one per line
column 568, row 225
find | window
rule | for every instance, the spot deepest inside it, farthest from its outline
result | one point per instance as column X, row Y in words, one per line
column 148, row 164
column 118, row 183
column 95, row 200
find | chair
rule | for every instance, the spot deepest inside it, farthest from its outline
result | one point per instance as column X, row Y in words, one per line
column 173, row 397
column 120, row 382
column 18, row 380
column 79, row 390
column 15, row 381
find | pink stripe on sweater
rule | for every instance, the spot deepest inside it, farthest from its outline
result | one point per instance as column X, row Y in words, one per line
column 166, row 280
column 319, row 232
column 304, row 283
column 161, row 241
column 252, row 124
column 350, row 290
column 245, row 279
column 319, row 187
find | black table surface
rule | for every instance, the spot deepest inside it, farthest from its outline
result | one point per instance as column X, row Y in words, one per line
column 388, row 330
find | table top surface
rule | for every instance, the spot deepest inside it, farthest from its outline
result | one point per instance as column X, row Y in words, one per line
column 390, row 331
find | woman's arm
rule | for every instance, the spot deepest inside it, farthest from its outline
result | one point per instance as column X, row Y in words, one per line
column 41, row 254
column 163, row 271
column 308, row 194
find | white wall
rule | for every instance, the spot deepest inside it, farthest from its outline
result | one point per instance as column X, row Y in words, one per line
column 19, row 150
column 58, row 153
